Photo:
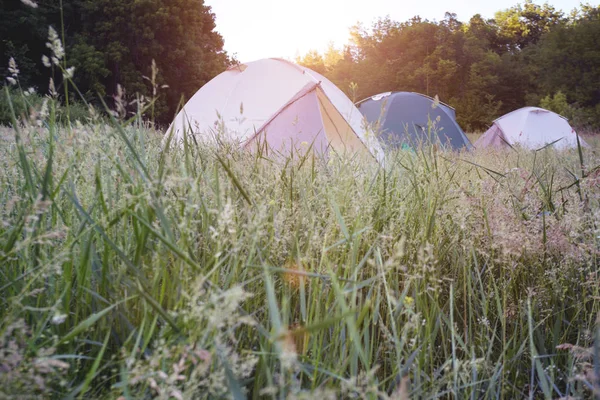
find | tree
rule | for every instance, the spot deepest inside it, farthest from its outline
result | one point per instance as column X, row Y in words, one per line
column 558, row 104
column 113, row 42
column 568, row 61
column 485, row 67
column 521, row 26
column 314, row 61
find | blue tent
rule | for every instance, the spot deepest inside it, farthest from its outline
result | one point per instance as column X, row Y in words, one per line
column 407, row 118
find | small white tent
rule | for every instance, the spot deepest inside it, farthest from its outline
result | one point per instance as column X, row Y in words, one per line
column 277, row 103
column 531, row 128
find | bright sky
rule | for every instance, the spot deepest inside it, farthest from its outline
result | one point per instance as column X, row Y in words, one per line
column 255, row 29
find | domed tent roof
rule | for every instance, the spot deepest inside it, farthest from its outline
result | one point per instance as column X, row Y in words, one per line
column 404, row 118
column 278, row 103
column 532, row 128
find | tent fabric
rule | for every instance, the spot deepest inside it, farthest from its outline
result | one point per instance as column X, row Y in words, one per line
column 284, row 136
column 531, row 128
column 407, row 118
column 494, row 137
column 276, row 103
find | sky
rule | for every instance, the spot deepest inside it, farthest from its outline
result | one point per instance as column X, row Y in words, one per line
column 255, row 29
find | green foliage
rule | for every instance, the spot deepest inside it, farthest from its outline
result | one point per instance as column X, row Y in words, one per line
column 558, row 104
column 523, row 25
column 314, row 61
column 483, row 68
column 27, row 107
column 567, row 60
column 21, row 105
column 115, row 42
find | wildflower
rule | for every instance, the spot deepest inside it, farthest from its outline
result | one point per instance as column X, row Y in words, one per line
column 29, row 3
column 46, row 61
column 11, row 80
column 484, row 321
column 68, row 74
column 44, row 111
column 29, row 91
column 409, row 301
column 92, row 112
column 12, row 68
column 120, row 103
column 54, row 43
column 289, row 354
column 59, row 318
column 268, row 391
column 52, row 88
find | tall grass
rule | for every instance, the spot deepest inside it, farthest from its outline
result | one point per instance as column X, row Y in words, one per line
column 198, row 272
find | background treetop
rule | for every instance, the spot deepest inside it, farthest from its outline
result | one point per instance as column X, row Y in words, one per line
column 483, row 67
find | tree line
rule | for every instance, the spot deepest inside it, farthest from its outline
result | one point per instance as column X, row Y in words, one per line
column 527, row 55
column 167, row 49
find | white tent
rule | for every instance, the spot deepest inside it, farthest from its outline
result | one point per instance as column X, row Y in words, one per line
column 277, row 103
column 532, row 128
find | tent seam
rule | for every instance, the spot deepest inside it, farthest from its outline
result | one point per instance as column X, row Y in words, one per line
column 281, row 110
column 351, row 128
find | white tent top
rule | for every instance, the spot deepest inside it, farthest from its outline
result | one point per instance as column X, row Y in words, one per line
column 530, row 127
column 246, row 98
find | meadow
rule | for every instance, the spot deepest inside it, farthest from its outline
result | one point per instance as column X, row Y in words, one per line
column 200, row 272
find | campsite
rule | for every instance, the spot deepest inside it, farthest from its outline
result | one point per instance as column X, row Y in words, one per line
column 195, row 206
